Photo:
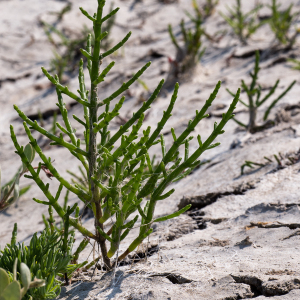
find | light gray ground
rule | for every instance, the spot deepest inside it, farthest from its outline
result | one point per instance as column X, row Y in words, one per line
column 242, row 238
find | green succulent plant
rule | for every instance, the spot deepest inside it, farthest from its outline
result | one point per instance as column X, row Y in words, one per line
column 255, row 99
column 295, row 63
column 11, row 191
column 191, row 52
column 243, row 25
column 118, row 188
column 12, row 290
column 209, row 7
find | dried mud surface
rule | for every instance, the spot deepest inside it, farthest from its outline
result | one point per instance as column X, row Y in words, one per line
column 241, row 239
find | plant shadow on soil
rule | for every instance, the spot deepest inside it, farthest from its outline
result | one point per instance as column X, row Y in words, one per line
column 82, row 289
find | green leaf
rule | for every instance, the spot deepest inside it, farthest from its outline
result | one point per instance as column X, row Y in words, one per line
column 166, row 195
column 87, row 14
column 86, row 54
column 12, row 292
column 30, row 154
column 4, row 280
column 24, row 190
column 25, row 277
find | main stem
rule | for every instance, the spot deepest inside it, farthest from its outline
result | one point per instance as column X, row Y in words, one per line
column 252, row 112
column 252, row 118
column 96, row 200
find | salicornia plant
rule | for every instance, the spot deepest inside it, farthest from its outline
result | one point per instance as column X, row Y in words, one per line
column 281, row 22
column 67, row 51
column 282, row 161
column 118, row 188
column 243, row 25
column 189, row 54
column 209, row 8
column 10, row 288
column 255, row 99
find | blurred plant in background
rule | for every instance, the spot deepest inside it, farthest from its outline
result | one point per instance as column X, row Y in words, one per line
column 281, row 22
column 243, row 25
column 253, row 92
column 67, row 49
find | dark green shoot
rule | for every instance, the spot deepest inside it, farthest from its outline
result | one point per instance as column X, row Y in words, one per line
column 251, row 164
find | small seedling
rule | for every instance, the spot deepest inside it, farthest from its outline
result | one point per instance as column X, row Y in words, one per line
column 281, row 160
column 41, row 119
column 54, row 126
column 209, row 8
column 60, row 14
column 66, row 51
column 251, row 164
column 143, row 84
column 254, row 99
column 281, row 22
column 243, row 25
column 168, row 1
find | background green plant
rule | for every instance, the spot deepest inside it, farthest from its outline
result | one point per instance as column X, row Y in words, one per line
column 119, row 189
column 66, row 51
column 191, row 52
column 281, row 22
column 243, row 25
column 282, row 160
column 254, row 95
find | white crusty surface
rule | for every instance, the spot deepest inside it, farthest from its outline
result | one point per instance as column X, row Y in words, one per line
column 251, row 241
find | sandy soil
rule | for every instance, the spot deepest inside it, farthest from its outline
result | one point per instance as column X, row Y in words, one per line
column 241, row 239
